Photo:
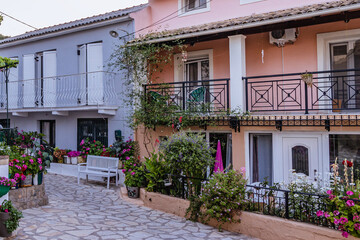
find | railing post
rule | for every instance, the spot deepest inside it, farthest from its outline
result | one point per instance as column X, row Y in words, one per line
column 228, row 95
column 246, row 95
column 183, row 96
column 306, row 99
column 287, row 205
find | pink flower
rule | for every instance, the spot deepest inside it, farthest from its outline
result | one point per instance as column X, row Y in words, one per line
column 40, row 167
column 16, row 176
column 329, row 192
column 357, row 226
column 343, row 220
column 82, row 142
column 127, row 158
column 133, row 173
column 24, row 167
column 319, row 213
column 243, row 170
column 326, row 214
column 23, row 155
column 336, row 221
column 350, row 203
column 124, row 170
column 345, row 234
column 87, row 149
column 130, row 170
column 31, row 161
column 39, row 160
column 23, row 177
column 349, row 193
column 336, row 212
column 134, row 164
column 6, row 211
column 331, row 197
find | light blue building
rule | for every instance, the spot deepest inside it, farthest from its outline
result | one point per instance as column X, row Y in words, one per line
column 63, row 86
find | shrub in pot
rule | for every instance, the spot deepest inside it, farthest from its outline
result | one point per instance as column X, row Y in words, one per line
column 9, row 218
column 74, row 156
column 134, row 177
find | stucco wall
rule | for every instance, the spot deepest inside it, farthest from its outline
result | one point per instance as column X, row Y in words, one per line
column 66, row 47
column 219, row 10
column 252, row 224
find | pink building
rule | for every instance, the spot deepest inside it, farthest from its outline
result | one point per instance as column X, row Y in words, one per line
column 293, row 65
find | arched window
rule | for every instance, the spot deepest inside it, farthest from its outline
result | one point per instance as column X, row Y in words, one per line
column 300, row 159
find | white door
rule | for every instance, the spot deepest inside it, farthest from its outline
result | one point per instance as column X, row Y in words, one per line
column 95, row 83
column 49, row 78
column 13, row 87
column 82, row 93
column 29, row 80
column 301, row 153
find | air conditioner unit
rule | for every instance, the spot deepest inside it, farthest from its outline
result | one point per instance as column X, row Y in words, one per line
column 282, row 36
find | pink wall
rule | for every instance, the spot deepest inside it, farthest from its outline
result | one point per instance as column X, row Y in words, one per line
column 219, row 10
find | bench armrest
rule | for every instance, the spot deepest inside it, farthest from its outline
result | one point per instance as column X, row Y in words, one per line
column 81, row 165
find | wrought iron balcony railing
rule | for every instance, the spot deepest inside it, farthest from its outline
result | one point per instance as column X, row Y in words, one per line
column 196, row 96
column 87, row 89
column 331, row 91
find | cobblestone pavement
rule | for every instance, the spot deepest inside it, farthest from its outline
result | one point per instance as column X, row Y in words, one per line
column 92, row 212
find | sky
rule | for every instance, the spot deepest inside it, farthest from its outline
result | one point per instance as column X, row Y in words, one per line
column 44, row 13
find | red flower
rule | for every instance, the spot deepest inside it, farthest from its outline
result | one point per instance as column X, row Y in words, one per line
column 348, row 163
column 173, row 126
column 180, row 119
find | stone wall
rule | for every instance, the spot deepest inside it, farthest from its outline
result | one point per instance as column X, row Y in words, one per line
column 252, row 224
column 29, row 197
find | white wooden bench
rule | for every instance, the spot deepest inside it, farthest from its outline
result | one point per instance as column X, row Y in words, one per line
column 100, row 166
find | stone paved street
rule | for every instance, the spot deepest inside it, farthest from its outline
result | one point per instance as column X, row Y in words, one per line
column 93, row 212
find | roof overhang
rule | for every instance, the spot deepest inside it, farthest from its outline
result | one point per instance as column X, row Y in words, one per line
column 344, row 13
column 66, row 31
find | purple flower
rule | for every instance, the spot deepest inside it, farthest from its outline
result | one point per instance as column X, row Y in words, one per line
column 336, row 212
column 345, row 234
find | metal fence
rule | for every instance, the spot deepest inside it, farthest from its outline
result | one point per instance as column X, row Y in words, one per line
column 195, row 96
column 303, row 92
column 86, row 89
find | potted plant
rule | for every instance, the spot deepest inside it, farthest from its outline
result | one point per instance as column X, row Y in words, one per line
column 307, row 78
column 5, row 185
column 134, row 177
column 74, row 156
column 9, row 218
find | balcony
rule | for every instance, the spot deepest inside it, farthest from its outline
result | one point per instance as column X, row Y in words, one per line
column 313, row 92
column 197, row 96
column 78, row 91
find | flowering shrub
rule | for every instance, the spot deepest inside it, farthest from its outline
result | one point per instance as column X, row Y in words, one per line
column 222, row 197
column 134, row 173
column 7, row 182
column 187, row 154
column 4, row 149
column 24, row 165
column 89, row 147
column 27, row 139
column 124, row 149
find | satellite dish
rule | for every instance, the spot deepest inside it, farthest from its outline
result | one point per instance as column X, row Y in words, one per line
column 114, row 34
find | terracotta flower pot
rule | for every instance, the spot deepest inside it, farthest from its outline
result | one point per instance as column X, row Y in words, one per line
column 3, row 218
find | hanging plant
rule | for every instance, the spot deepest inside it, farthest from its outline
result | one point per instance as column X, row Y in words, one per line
column 307, row 78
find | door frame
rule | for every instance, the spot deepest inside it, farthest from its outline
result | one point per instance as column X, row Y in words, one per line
column 279, row 172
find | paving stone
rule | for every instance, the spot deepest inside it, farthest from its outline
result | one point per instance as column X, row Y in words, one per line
column 91, row 212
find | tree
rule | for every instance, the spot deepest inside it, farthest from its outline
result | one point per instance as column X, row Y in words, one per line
column 2, row 37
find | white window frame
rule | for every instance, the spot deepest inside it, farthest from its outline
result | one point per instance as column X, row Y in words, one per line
column 323, row 45
column 179, row 66
column 182, row 12
column 243, row 2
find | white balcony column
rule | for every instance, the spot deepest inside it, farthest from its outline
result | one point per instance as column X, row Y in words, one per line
column 237, row 71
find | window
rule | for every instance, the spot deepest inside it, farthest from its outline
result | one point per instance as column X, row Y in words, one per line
column 191, row 5
column 187, row 7
column 261, row 160
column 345, row 146
column 249, row 1
column 47, row 127
column 300, row 159
column 94, row 129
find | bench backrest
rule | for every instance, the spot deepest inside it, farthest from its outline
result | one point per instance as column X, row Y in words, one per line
column 101, row 162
